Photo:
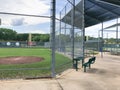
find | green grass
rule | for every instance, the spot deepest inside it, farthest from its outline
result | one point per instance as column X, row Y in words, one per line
column 34, row 69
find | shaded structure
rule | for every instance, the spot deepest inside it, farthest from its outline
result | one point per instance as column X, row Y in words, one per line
column 95, row 11
column 80, row 14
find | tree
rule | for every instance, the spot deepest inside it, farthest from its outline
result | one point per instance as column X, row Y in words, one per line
column 11, row 35
column 7, row 34
column 36, row 38
column 44, row 37
column 40, row 37
column 22, row 37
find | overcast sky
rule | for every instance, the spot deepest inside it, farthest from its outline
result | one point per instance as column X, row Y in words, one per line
column 24, row 24
column 96, row 29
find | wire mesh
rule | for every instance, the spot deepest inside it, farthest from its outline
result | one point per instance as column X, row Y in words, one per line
column 69, row 38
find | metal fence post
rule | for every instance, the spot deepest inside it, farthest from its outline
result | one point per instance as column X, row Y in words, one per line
column 53, row 10
column 83, row 31
column 72, row 29
column 102, row 42
column 60, row 34
column 117, row 35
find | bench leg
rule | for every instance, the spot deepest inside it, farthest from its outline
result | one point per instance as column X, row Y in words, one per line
column 76, row 65
column 82, row 63
column 89, row 66
column 84, row 68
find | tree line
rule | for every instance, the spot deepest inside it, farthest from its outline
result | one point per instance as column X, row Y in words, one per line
column 11, row 35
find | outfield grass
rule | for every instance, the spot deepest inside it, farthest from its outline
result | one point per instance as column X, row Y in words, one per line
column 30, row 70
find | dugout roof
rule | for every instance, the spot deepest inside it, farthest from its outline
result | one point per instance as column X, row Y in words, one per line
column 112, row 26
column 96, row 11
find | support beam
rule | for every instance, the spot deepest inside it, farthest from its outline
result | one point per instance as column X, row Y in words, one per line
column 60, row 34
column 53, row 11
column 114, row 3
column 102, row 41
column 117, row 31
column 105, row 8
column 83, row 31
column 65, row 31
column 117, row 41
column 72, row 29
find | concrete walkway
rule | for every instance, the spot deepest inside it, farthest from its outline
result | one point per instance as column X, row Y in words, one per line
column 104, row 75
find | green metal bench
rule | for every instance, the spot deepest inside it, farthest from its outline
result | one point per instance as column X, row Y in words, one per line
column 75, row 62
column 88, row 64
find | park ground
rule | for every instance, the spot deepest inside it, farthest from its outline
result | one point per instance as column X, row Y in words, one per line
column 104, row 75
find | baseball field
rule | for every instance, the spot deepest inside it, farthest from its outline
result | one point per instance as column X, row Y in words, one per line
column 29, row 62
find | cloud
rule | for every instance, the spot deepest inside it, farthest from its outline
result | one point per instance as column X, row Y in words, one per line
column 33, row 7
column 38, row 28
column 36, row 20
column 17, row 22
column 24, row 6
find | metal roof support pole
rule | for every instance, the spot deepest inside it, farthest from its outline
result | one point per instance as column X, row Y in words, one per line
column 65, row 32
column 60, row 34
column 107, row 42
column 72, row 29
column 102, row 42
column 98, row 40
column 53, row 12
column 117, row 33
column 108, row 3
column 83, row 30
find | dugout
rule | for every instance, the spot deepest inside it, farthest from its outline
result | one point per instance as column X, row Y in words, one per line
column 83, row 14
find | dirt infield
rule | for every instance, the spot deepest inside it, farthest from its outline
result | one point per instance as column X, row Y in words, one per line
column 20, row 59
